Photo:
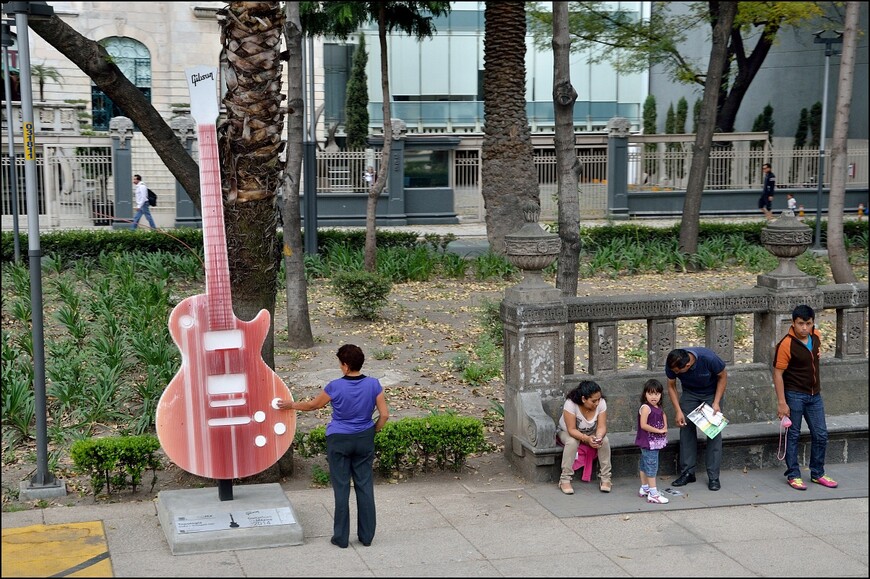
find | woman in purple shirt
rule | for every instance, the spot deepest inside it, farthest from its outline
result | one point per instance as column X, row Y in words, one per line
column 350, row 441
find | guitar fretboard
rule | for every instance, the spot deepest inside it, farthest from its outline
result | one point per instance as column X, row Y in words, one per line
column 217, row 271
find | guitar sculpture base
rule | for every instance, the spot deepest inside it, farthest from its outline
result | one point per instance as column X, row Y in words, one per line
column 258, row 517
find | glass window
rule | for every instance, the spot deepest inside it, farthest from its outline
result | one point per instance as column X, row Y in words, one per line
column 134, row 60
column 427, row 168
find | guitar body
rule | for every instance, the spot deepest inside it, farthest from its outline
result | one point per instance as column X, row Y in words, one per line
column 215, row 419
column 218, row 417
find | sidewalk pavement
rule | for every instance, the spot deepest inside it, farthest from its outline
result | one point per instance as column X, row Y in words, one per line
column 470, row 525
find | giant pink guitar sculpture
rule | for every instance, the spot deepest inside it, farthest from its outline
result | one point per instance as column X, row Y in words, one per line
column 217, row 418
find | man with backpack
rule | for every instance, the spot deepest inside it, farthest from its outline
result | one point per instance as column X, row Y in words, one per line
column 142, row 205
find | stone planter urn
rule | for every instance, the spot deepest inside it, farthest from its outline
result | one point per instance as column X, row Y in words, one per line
column 787, row 238
column 532, row 249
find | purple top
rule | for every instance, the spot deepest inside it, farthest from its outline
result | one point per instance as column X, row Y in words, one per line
column 353, row 403
column 651, row 440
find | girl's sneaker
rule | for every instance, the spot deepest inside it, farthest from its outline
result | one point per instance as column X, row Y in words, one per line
column 658, row 499
column 643, row 492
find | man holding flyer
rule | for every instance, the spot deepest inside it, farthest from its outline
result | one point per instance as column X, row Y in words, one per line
column 703, row 379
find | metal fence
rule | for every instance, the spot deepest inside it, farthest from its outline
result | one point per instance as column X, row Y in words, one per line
column 75, row 185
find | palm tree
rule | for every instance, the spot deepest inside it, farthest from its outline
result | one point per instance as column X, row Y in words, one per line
column 508, row 176
column 41, row 73
column 250, row 141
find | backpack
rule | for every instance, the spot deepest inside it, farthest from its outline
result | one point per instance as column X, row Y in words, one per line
column 152, row 198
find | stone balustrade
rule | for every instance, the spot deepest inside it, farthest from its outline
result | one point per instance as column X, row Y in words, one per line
column 537, row 320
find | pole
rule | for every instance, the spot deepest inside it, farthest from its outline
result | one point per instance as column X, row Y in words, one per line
column 42, row 478
column 309, row 151
column 13, row 170
column 828, row 42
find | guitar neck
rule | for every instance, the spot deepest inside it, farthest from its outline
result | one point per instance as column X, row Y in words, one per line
column 217, row 271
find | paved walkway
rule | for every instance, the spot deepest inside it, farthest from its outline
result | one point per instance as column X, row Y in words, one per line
column 470, row 525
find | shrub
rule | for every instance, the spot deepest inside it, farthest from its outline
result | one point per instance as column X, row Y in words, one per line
column 411, row 443
column 116, row 461
column 363, row 293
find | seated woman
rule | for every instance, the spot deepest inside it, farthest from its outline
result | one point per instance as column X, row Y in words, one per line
column 584, row 421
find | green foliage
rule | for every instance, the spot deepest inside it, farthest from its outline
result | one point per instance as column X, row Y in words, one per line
column 415, row 443
column 356, row 125
column 410, row 444
column 319, row 476
column 489, row 316
column 491, row 265
column 117, row 461
column 363, row 293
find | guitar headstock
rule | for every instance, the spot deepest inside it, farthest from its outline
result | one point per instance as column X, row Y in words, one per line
column 202, row 84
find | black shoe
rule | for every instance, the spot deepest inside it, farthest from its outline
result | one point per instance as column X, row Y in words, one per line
column 335, row 542
column 714, row 485
column 684, row 479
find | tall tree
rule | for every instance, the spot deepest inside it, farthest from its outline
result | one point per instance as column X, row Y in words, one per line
column 568, row 167
column 508, row 176
column 298, row 317
column 839, row 258
column 250, row 140
column 723, row 19
column 343, row 18
column 356, row 108
column 650, row 127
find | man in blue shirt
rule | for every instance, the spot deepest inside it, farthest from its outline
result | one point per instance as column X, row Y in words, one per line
column 703, row 378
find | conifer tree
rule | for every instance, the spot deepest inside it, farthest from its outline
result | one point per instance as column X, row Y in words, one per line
column 356, row 125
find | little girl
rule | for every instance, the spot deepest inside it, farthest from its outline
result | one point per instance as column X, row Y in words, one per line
column 652, row 435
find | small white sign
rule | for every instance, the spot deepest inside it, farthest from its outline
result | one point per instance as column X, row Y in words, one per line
column 234, row 520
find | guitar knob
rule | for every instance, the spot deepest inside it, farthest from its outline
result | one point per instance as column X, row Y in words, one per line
column 275, row 402
column 259, row 416
column 280, row 428
column 260, row 441
column 186, row 321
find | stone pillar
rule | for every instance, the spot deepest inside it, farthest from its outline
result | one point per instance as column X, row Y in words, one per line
column 186, row 213
column 617, row 167
column 661, row 339
column 603, row 339
column 787, row 238
column 850, row 327
column 121, row 131
column 395, row 213
column 719, row 336
column 534, row 333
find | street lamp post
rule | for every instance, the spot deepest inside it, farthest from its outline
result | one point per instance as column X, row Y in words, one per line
column 43, row 483
column 829, row 50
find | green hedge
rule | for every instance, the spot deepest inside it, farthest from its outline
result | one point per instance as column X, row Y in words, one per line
column 117, row 461
column 86, row 243
column 445, row 440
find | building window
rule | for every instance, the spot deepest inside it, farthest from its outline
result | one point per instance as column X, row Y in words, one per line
column 134, row 60
column 426, row 168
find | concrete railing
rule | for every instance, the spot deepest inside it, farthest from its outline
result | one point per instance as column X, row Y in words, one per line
column 538, row 320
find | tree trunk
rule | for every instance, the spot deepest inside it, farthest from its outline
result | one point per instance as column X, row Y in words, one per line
column 371, row 249
column 690, row 222
column 251, row 141
column 508, row 175
column 837, row 255
column 568, row 166
column 298, row 319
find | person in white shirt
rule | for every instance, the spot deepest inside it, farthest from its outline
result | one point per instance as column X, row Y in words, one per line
column 792, row 202
column 141, row 203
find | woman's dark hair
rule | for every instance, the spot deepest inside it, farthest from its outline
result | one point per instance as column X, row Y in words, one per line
column 652, row 385
column 352, row 356
column 585, row 389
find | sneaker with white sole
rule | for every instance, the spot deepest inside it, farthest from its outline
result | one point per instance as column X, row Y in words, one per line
column 643, row 493
column 658, row 499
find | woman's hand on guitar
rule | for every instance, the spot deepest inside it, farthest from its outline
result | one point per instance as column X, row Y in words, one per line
column 286, row 405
